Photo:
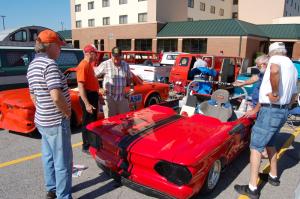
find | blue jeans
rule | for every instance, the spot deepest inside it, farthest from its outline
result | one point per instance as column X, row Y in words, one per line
column 267, row 126
column 57, row 158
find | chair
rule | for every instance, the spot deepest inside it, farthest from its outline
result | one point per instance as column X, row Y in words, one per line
column 220, row 108
column 294, row 113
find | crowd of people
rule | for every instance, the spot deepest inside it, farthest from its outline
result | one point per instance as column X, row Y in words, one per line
column 274, row 92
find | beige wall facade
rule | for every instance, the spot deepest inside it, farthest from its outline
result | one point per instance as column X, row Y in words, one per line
column 286, row 20
column 267, row 11
column 260, row 12
column 112, row 33
column 197, row 14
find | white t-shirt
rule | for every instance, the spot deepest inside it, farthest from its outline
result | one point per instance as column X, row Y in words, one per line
column 287, row 82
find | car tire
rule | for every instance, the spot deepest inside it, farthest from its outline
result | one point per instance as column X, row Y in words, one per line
column 212, row 178
column 152, row 99
column 109, row 172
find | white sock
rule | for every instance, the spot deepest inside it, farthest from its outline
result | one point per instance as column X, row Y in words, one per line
column 272, row 176
column 252, row 188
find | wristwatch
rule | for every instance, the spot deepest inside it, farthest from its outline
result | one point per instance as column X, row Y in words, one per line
column 275, row 94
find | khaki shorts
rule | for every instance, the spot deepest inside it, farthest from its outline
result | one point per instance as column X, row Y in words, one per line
column 113, row 107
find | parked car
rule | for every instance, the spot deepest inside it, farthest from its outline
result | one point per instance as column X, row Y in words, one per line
column 169, row 155
column 227, row 69
column 169, row 58
column 17, row 51
column 17, row 110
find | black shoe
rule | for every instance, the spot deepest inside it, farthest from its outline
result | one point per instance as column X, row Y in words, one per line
column 267, row 178
column 245, row 190
column 50, row 195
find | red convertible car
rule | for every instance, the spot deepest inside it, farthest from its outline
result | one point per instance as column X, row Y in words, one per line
column 169, row 155
column 17, row 110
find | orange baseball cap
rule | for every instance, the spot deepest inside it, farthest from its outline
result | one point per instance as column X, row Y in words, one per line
column 49, row 36
column 90, row 48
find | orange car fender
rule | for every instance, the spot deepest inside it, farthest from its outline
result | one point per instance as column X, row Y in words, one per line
column 150, row 93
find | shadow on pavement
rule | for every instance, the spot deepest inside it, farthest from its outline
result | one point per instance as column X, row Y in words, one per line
column 229, row 175
column 110, row 186
column 101, row 178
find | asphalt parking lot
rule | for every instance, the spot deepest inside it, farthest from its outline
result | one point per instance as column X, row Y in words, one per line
column 21, row 174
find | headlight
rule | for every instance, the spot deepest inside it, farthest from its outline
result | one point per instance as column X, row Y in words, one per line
column 174, row 173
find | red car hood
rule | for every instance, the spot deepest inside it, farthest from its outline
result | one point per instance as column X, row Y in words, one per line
column 17, row 97
column 199, row 134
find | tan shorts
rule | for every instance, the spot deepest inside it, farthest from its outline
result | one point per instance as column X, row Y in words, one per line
column 113, row 107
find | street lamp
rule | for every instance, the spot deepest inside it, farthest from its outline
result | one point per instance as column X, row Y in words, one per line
column 3, row 17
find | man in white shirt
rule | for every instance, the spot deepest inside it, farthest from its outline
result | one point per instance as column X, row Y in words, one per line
column 278, row 89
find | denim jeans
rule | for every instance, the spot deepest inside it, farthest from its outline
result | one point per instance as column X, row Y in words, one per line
column 57, row 158
column 267, row 126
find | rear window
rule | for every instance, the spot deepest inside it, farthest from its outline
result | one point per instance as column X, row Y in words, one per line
column 171, row 57
column 67, row 58
column 184, row 61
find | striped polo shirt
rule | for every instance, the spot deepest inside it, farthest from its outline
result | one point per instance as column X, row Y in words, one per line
column 44, row 75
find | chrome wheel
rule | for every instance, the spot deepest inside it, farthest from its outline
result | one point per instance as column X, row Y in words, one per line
column 214, row 175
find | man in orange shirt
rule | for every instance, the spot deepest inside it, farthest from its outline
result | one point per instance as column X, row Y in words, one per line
column 88, row 87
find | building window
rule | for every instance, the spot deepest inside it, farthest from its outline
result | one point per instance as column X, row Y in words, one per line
column 194, row 45
column 124, row 44
column 122, row 2
column 90, row 5
column 235, row 2
column 142, row 17
column 106, row 21
column 190, row 19
column 78, row 24
column 191, row 3
column 91, row 22
column 143, row 44
column 234, row 15
column 202, row 6
column 123, row 19
column 221, row 12
column 78, row 8
column 105, row 3
column 167, row 45
column 212, row 9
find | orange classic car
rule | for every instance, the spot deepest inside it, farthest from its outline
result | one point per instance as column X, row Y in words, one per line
column 17, row 110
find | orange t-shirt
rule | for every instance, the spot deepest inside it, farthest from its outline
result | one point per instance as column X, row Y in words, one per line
column 86, row 75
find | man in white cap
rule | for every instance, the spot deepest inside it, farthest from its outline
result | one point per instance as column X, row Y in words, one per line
column 278, row 88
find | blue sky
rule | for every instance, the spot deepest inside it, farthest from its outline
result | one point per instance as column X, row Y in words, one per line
column 48, row 13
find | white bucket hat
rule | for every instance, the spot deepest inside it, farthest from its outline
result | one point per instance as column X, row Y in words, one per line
column 277, row 46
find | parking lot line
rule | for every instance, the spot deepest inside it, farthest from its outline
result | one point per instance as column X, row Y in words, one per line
column 283, row 149
column 30, row 157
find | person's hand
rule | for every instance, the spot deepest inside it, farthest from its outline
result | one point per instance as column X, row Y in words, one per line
column 272, row 98
column 68, row 114
column 102, row 91
column 250, row 113
column 89, row 108
column 131, row 91
column 238, row 84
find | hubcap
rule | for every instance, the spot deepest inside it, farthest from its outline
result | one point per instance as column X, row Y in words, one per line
column 214, row 175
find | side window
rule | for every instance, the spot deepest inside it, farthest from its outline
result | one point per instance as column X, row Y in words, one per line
column 184, row 61
column 19, row 36
column 33, row 34
column 67, row 59
column 16, row 58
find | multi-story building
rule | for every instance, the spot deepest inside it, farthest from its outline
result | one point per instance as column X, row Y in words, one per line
column 134, row 24
column 263, row 12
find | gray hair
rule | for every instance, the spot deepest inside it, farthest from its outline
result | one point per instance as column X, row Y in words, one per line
column 277, row 52
column 41, row 47
column 263, row 59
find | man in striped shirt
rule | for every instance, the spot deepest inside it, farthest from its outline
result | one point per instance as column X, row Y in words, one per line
column 49, row 93
column 117, row 76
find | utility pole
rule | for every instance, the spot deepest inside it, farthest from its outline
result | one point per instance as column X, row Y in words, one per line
column 62, row 25
column 3, row 17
